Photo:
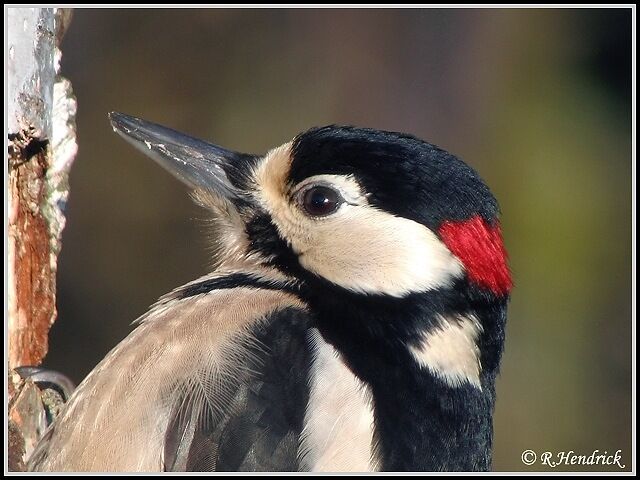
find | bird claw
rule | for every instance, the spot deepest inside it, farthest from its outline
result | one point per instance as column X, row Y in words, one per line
column 47, row 379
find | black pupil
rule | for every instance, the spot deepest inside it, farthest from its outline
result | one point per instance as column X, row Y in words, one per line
column 321, row 201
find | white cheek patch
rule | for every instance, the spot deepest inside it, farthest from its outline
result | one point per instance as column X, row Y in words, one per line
column 451, row 351
column 360, row 247
column 367, row 250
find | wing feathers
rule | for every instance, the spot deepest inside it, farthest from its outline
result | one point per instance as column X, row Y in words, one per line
column 173, row 378
column 263, row 420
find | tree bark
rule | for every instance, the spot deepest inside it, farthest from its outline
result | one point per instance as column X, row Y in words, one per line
column 41, row 148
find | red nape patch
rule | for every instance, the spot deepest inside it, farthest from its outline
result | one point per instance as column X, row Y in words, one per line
column 479, row 247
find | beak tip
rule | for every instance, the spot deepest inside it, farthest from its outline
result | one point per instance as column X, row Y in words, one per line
column 121, row 123
column 114, row 117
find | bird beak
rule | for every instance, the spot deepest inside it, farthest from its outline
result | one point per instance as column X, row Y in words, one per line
column 198, row 164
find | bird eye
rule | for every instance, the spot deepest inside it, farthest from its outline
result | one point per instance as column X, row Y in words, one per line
column 319, row 201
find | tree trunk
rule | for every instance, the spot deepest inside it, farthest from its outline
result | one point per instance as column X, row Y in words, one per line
column 41, row 147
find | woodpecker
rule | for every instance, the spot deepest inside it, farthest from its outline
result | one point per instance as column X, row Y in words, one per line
column 354, row 322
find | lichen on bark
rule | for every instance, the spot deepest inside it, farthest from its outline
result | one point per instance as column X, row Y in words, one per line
column 41, row 147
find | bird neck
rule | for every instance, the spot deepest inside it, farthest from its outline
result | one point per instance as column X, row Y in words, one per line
column 424, row 420
column 422, row 426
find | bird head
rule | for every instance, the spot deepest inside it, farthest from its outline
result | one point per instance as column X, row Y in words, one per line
column 365, row 210
column 355, row 216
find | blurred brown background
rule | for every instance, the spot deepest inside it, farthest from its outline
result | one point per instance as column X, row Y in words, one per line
column 539, row 101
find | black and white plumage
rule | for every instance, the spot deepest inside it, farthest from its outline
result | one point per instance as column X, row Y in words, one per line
column 355, row 320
